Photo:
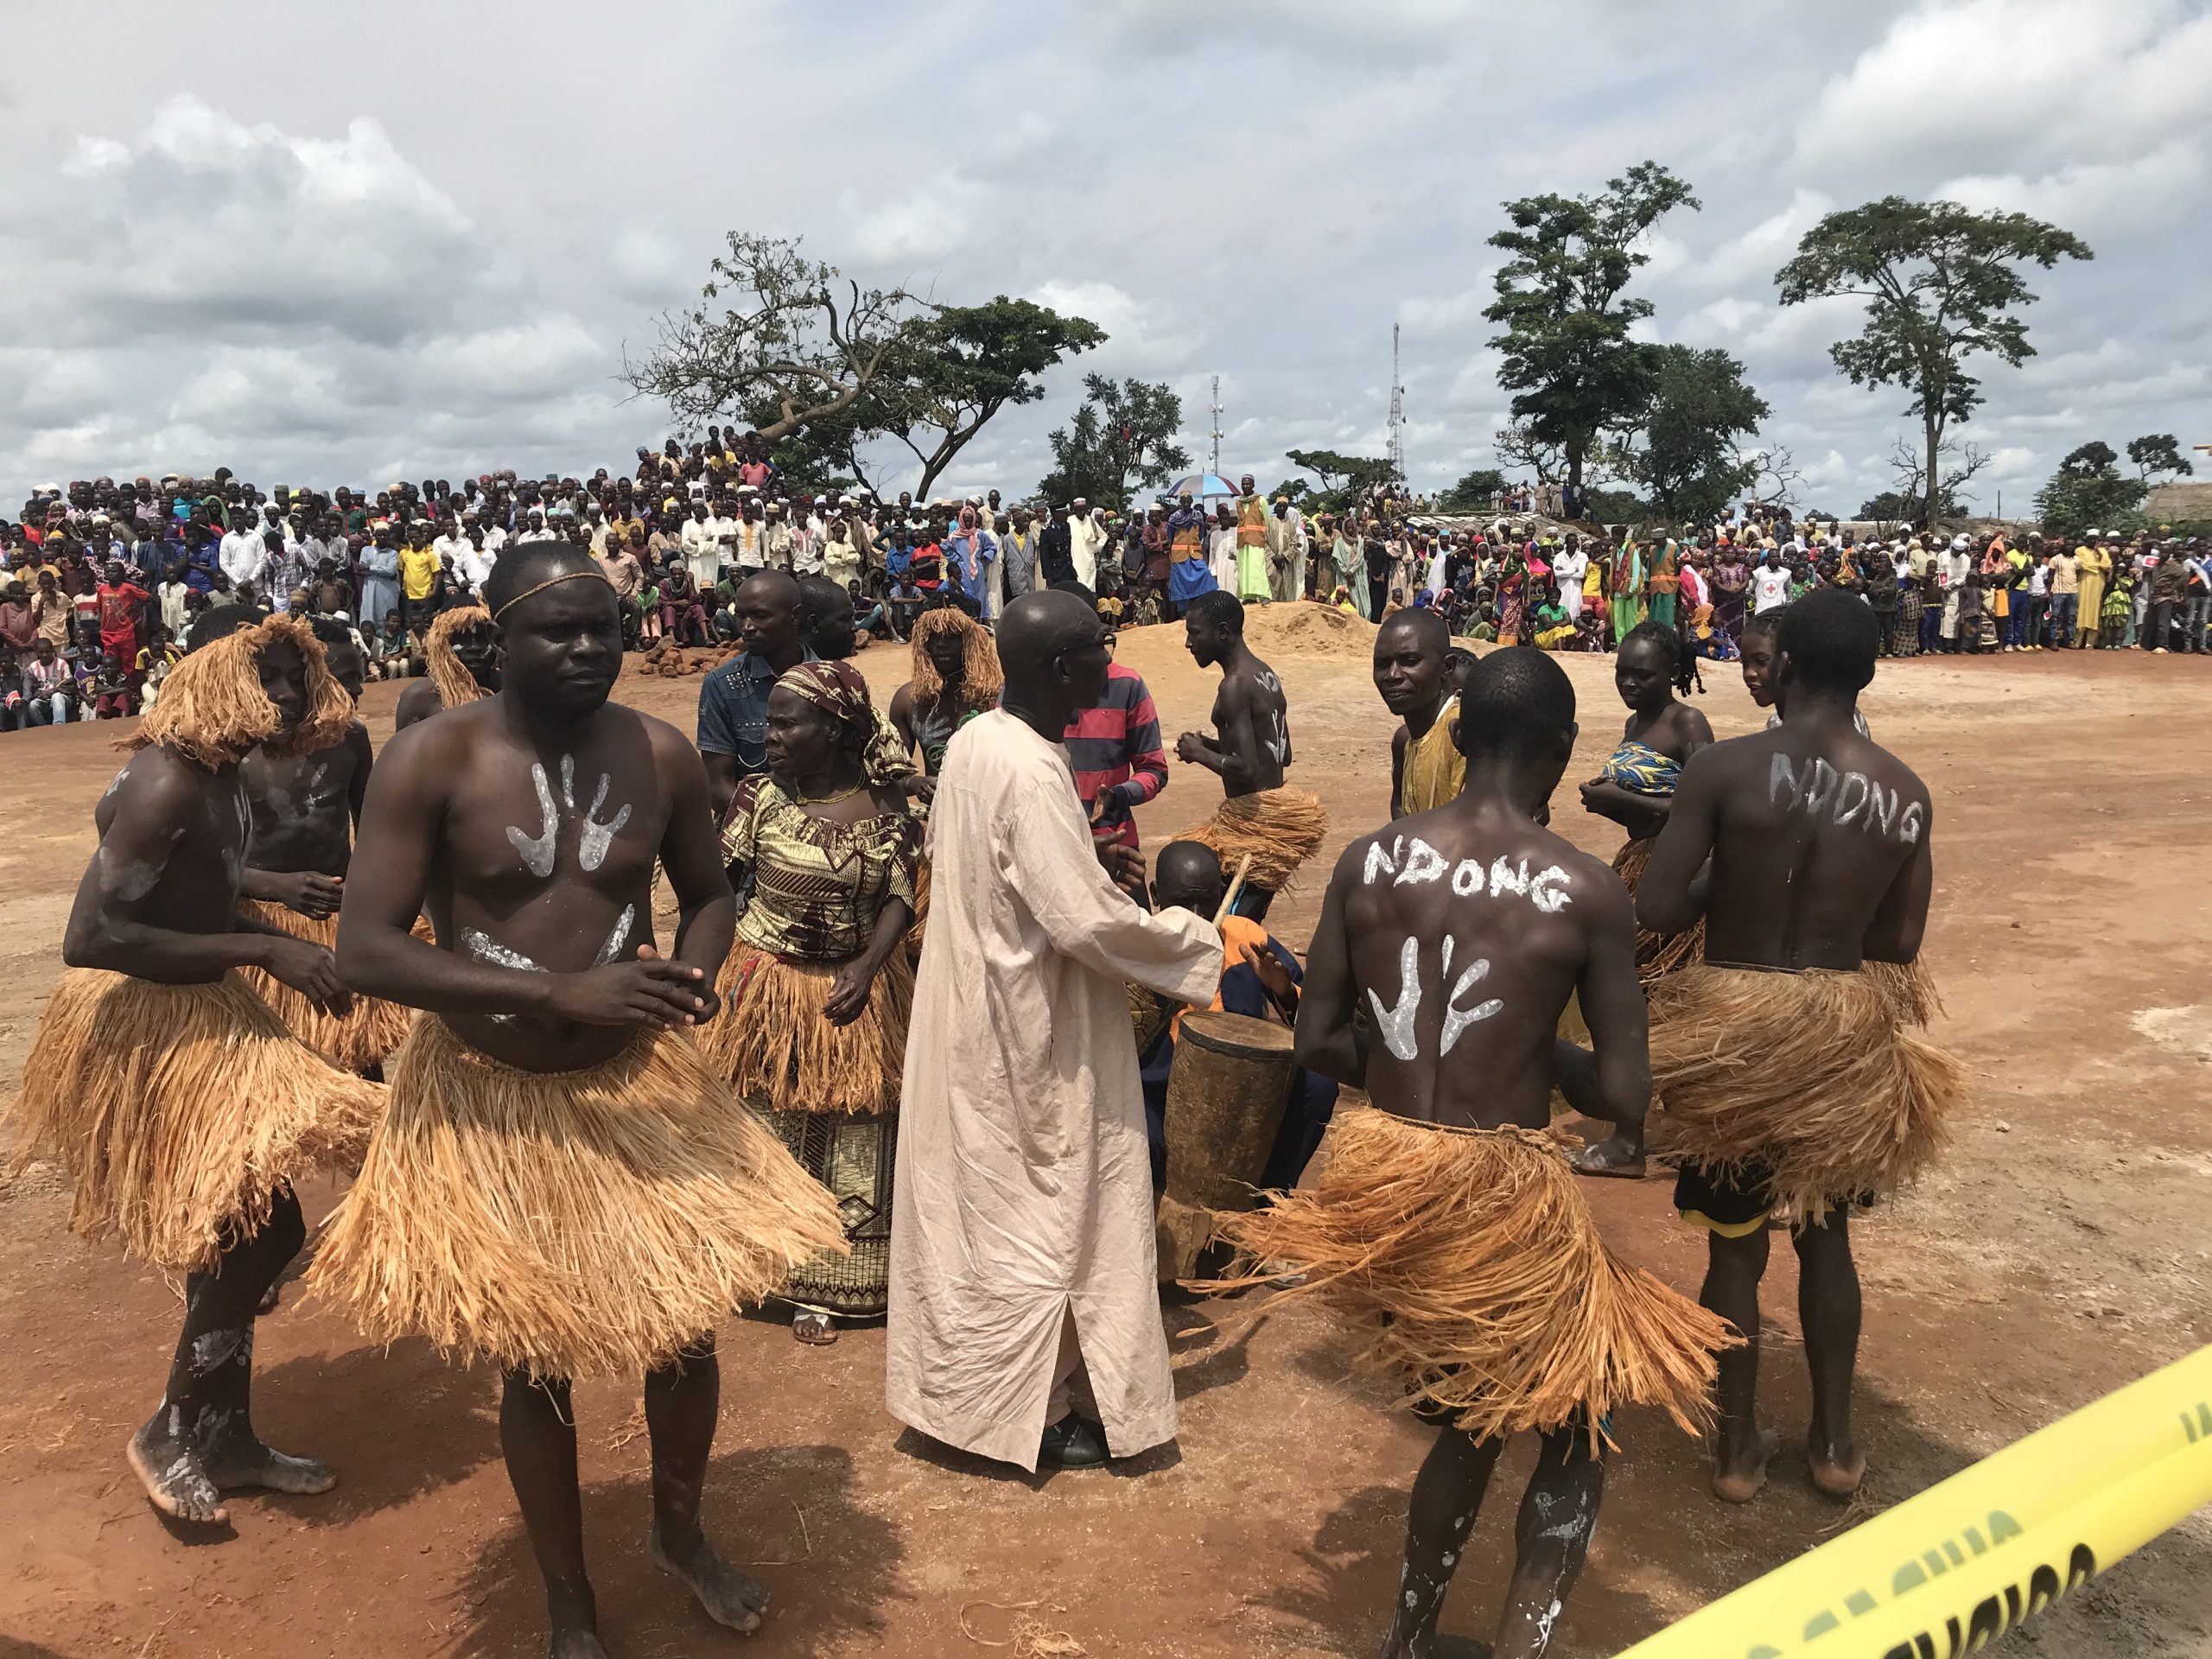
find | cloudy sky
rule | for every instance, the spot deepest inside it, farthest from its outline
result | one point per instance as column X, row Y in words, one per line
column 342, row 243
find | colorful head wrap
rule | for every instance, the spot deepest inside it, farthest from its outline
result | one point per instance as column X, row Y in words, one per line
column 838, row 690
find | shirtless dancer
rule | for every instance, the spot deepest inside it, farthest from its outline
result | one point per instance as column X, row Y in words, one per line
column 1277, row 826
column 181, row 1106
column 1460, row 933
column 560, row 1183
column 1777, row 1053
column 305, row 808
column 462, row 653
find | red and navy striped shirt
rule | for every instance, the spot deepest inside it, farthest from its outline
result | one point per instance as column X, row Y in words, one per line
column 1116, row 747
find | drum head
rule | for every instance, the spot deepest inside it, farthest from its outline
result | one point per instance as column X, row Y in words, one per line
column 1237, row 1033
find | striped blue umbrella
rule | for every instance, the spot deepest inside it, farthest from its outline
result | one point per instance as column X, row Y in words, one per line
column 1200, row 485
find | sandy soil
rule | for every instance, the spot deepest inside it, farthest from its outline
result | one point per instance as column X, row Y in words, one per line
column 2061, row 1253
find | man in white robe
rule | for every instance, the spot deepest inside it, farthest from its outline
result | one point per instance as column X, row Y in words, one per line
column 1569, row 570
column 1086, row 535
column 1024, row 1309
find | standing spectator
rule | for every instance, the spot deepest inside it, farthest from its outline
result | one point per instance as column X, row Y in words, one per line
column 122, row 614
column 2169, row 594
column 1115, row 748
column 2196, row 606
column 380, row 576
column 2093, row 570
column 2038, row 597
column 243, row 556
column 18, row 626
column 420, row 568
column 2065, row 597
column 50, row 609
column 1056, row 551
column 1769, row 584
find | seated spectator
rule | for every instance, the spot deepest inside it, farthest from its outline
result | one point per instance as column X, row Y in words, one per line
column 50, row 685
column 870, row 620
column 682, row 615
column 907, row 602
column 155, row 660
column 15, row 696
column 109, row 690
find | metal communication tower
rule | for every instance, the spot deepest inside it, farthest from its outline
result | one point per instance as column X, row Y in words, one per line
column 1215, row 410
column 1397, row 412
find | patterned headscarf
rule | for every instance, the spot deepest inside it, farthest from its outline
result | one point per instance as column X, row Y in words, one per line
column 838, row 690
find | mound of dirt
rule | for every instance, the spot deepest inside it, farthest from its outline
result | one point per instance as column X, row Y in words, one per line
column 1305, row 628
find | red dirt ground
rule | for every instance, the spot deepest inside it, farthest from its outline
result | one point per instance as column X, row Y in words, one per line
column 2061, row 1253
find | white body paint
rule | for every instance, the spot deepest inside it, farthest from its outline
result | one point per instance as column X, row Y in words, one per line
column 1410, row 865
column 1848, row 798
column 1396, row 1023
column 594, row 837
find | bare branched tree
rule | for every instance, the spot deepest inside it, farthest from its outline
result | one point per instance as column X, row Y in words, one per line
column 791, row 340
column 1960, row 465
column 1775, row 476
column 1516, row 445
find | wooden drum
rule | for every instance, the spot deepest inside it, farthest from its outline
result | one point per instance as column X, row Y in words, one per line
column 1225, row 1099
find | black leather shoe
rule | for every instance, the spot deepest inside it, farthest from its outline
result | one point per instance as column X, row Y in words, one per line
column 1074, row 1442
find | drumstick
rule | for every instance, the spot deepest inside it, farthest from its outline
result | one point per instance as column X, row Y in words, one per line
column 1235, row 886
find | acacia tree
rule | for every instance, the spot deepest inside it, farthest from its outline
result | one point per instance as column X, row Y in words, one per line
column 2156, row 455
column 1121, row 438
column 1940, row 282
column 792, row 340
column 1568, row 358
column 960, row 368
column 1358, row 473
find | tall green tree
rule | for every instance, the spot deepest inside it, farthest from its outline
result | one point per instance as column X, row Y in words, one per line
column 1683, row 449
column 1564, row 312
column 1942, row 283
column 2156, row 454
column 1120, row 439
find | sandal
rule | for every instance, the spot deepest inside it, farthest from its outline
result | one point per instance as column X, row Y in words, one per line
column 816, row 1330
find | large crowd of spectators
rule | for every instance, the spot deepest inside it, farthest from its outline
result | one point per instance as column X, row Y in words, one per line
column 100, row 581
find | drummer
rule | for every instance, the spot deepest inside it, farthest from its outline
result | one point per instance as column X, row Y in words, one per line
column 1260, row 979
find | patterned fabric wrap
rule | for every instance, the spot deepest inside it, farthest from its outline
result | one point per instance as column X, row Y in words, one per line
column 1641, row 770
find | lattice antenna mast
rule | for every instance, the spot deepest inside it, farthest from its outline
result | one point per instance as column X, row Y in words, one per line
column 1214, row 410
column 1397, row 412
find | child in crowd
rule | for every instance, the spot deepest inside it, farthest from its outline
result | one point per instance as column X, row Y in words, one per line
column 108, row 689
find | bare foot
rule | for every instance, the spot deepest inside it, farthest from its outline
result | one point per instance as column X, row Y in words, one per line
column 1742, row 1481
column 1836, row 1471
column 164, row 1459
column 269, row 1298
column 1615, row 1159
column 576, row 1644
column 729, row 1597
column 1434, row 1647
column 238, row 1462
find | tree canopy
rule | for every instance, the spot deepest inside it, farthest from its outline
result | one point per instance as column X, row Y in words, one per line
column 2089, row 491
column 1941, row 284
column 1683, row 449
column 1476, row 492
column 1122, row 439
column 1345, row 479
column 1567, row 355
column 822, row 368
column 776, row 334
column 2156, row 455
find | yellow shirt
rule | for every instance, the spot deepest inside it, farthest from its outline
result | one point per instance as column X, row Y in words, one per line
column 418, row 571
column 1435, row 771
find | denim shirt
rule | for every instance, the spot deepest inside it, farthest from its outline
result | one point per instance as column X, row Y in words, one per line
column 733, row 711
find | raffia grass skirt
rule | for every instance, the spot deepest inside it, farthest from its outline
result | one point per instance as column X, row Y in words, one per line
column 1818, row 1078
column 362, row 1036
column 180, row 1111
column 853, row 1155
column 1656, row 954
column 919, row 931
column 567, row 1224
column 776, row 1048
column 1277, row 829
column 1468, row 1265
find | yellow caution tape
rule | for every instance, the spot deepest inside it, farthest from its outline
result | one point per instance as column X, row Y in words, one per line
column 1947, row 1573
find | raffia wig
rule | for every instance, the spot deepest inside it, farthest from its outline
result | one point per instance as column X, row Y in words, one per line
column 980, row 677
column 353, row 1041
column 212, row 709
column 180, row 1110
column 1277, row 829
column 1817, row 1077
column 774, row 1044
column 1655, row 953
column 572, row 1224
column 449, row 674
column 1467, row 1262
